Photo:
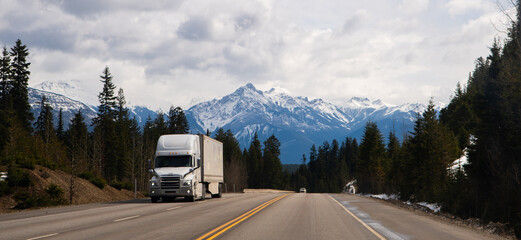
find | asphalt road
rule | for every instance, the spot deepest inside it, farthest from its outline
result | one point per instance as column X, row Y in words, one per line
column 235, row 216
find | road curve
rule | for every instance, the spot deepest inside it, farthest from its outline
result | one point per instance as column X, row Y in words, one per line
column 261, row 215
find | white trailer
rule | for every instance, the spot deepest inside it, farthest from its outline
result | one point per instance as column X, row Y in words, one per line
column 187, row 165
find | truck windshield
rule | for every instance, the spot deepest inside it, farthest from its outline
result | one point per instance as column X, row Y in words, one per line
column 173, row 161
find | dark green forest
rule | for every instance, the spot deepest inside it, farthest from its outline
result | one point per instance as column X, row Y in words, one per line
column 482, row 120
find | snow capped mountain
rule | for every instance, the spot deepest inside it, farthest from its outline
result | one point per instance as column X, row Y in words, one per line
column 297, row 121
column 69, row 106
column 71, row 89
column 77, row 98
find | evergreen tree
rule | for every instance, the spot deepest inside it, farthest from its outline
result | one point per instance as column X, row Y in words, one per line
column 432, row 148
column 77, row 141
column 20, row 77
column 177, row 123
column 5, row 104
column 60, row 133
column 394, row 176
column 272, row 169
column 255, row 164
column 105, row 128
column 44, row 124
column 235, row 172
column 122, row 162
column 372, row 160
column 5, row 79
column 108, row 102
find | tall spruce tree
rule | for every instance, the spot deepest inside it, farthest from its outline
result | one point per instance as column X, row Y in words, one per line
column 5, row 104
column 60, row 132
column 177, row 123
column 254, row 163
column 105, row 127
column 20, row 77
column 433, row 148
column 77, row 141
column 44, row 124
column 272, row 169
column 372, row 160
column 235, row 172
column 5, row 79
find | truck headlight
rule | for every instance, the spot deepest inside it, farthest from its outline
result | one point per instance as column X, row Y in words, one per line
column 187, row 183
column 154, row 184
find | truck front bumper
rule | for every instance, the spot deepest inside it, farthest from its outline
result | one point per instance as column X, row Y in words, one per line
column 181, row 192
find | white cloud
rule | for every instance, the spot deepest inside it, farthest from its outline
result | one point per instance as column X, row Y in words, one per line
column 457, row 7
column 171, row 52
column 414, row 6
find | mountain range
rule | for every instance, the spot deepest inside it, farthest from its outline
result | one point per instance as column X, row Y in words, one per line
column 298, row 122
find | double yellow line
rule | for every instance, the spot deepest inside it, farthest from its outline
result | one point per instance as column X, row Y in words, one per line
column 223, row 228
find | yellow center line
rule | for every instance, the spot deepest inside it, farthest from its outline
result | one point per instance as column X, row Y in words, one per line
column 359, row 220
column 239, row 219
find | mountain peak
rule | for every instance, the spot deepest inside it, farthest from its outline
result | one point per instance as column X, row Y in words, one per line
column 72, row 89
column 250, row 86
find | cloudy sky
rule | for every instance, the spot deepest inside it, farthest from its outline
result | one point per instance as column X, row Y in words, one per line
column 166, row 52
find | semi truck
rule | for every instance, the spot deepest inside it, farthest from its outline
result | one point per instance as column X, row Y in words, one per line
column 186, row 165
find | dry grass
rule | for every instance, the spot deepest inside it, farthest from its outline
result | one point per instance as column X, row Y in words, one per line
column 84, row 191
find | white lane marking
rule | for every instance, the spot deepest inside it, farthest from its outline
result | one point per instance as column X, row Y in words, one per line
column 359, row 220
column 52, row 215
column 386, row 232
column 40, row 237
column 127, row 218
column 172, row 208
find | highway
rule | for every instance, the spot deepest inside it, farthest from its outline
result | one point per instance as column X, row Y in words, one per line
column 234, row 216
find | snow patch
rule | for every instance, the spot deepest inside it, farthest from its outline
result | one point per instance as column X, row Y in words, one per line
column 432, row 206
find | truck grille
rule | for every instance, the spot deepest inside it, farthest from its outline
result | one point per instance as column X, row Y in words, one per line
column 170, row 182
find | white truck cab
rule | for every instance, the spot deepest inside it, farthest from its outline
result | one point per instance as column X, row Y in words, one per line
column 186, row 165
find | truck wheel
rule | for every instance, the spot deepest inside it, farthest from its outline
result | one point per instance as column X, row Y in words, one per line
column 154, row 199
column 220, row 193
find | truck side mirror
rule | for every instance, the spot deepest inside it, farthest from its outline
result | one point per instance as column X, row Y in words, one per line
column 199, row 162
column 149, row 163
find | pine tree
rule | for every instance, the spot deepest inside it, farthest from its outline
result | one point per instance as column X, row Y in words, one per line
column 370, row 170
column 44, row 124
column 107, row 107
column 394, row 177
column 20, row 76
column 254, row 163
column 177, row 123
column 272, row 169
column 77, row 141
column 105, row 128
column 122, row 145
column 235, row 172
column 60, row 133
column 5, row 104
column 433, row 148
column 5, row 79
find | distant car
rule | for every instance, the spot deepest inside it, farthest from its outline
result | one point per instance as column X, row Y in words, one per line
column 303, row 190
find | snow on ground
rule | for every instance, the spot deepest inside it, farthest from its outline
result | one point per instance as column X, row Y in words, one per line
column 384, row 196
column 432, row 206
column 457, row 165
